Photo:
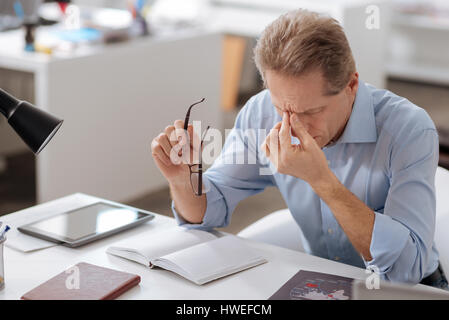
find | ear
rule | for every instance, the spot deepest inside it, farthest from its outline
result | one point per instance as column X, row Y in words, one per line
column 353, row 84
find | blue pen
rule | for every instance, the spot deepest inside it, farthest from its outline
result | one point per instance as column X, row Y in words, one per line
column 19, row 10
column 2, row 233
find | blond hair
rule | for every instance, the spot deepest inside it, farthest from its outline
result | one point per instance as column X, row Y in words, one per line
column 301, row 41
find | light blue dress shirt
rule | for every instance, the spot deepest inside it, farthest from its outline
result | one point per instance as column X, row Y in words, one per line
column 387, row 156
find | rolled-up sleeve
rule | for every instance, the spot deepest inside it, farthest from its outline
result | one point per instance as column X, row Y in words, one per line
column 235, row 174
column 403, row 232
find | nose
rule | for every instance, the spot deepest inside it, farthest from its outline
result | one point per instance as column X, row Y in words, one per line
column 306, row 123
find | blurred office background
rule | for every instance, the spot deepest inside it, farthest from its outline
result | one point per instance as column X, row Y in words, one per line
column 119, row 71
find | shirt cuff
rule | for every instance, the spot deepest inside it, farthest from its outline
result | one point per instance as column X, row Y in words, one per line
column 388, row 241
column 216, row 210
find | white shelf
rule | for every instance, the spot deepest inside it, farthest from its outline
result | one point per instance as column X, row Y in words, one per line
column 438, row 74
column 421, row 22
column 418, row 48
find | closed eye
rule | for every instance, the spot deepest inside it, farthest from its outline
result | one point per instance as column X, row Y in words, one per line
column 314, row 111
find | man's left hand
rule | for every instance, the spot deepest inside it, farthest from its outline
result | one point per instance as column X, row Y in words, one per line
column 305, row 160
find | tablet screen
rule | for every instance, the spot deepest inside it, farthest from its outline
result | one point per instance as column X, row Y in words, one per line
column 90, row 220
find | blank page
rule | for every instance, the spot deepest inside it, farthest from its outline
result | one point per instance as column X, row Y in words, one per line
column 210, row 260
column 154, row 245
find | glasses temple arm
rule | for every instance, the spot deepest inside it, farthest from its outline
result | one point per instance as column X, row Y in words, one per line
column 186, row 121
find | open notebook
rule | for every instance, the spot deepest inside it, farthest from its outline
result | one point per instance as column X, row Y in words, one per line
column 198, row 256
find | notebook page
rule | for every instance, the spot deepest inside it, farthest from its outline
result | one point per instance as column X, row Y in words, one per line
column 211, row 260
column 158, row 244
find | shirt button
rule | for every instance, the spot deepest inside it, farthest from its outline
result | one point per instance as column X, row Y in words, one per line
column 328, row 162
column 337, row 258
column 329, row 231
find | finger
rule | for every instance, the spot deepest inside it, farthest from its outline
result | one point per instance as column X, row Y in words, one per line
column 278, row 125
column 299, row 130
column 179, row 124
column 273, row 137
column 170, row 132
column 284, row 132
column 195, row 140
column 265, row 146
column 162, row 139
column 273, row 143
column 171, row 135
column 159, row 162
column 158, row 152
column 266, row 143
column 180, row 133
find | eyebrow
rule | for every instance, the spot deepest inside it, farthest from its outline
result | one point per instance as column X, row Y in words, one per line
column 309, row 110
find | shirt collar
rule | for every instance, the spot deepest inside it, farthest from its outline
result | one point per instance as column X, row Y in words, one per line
column 361, row 126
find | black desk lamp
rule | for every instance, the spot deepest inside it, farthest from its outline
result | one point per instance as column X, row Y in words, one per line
column 34, row 126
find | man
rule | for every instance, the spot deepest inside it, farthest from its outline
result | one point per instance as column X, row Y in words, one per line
column 355, row 164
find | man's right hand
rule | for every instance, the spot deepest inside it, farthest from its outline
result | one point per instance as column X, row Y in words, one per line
column 172, row 151
column 167, row 151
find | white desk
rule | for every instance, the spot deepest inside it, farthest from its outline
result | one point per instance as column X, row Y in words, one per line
column 24, row 271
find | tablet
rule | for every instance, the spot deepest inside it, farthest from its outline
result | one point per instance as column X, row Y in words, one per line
column 86, row 224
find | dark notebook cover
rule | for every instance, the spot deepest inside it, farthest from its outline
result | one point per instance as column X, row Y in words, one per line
column 84, row 281
column 307, row 285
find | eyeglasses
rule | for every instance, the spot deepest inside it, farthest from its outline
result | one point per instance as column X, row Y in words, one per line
column 196, row 170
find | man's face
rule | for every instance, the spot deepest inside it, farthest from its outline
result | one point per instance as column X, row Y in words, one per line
column 323, row 116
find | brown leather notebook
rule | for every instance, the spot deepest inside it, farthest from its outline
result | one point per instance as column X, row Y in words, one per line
column 84, row 281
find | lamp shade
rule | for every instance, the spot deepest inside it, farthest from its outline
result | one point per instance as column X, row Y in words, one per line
column 34, row 126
